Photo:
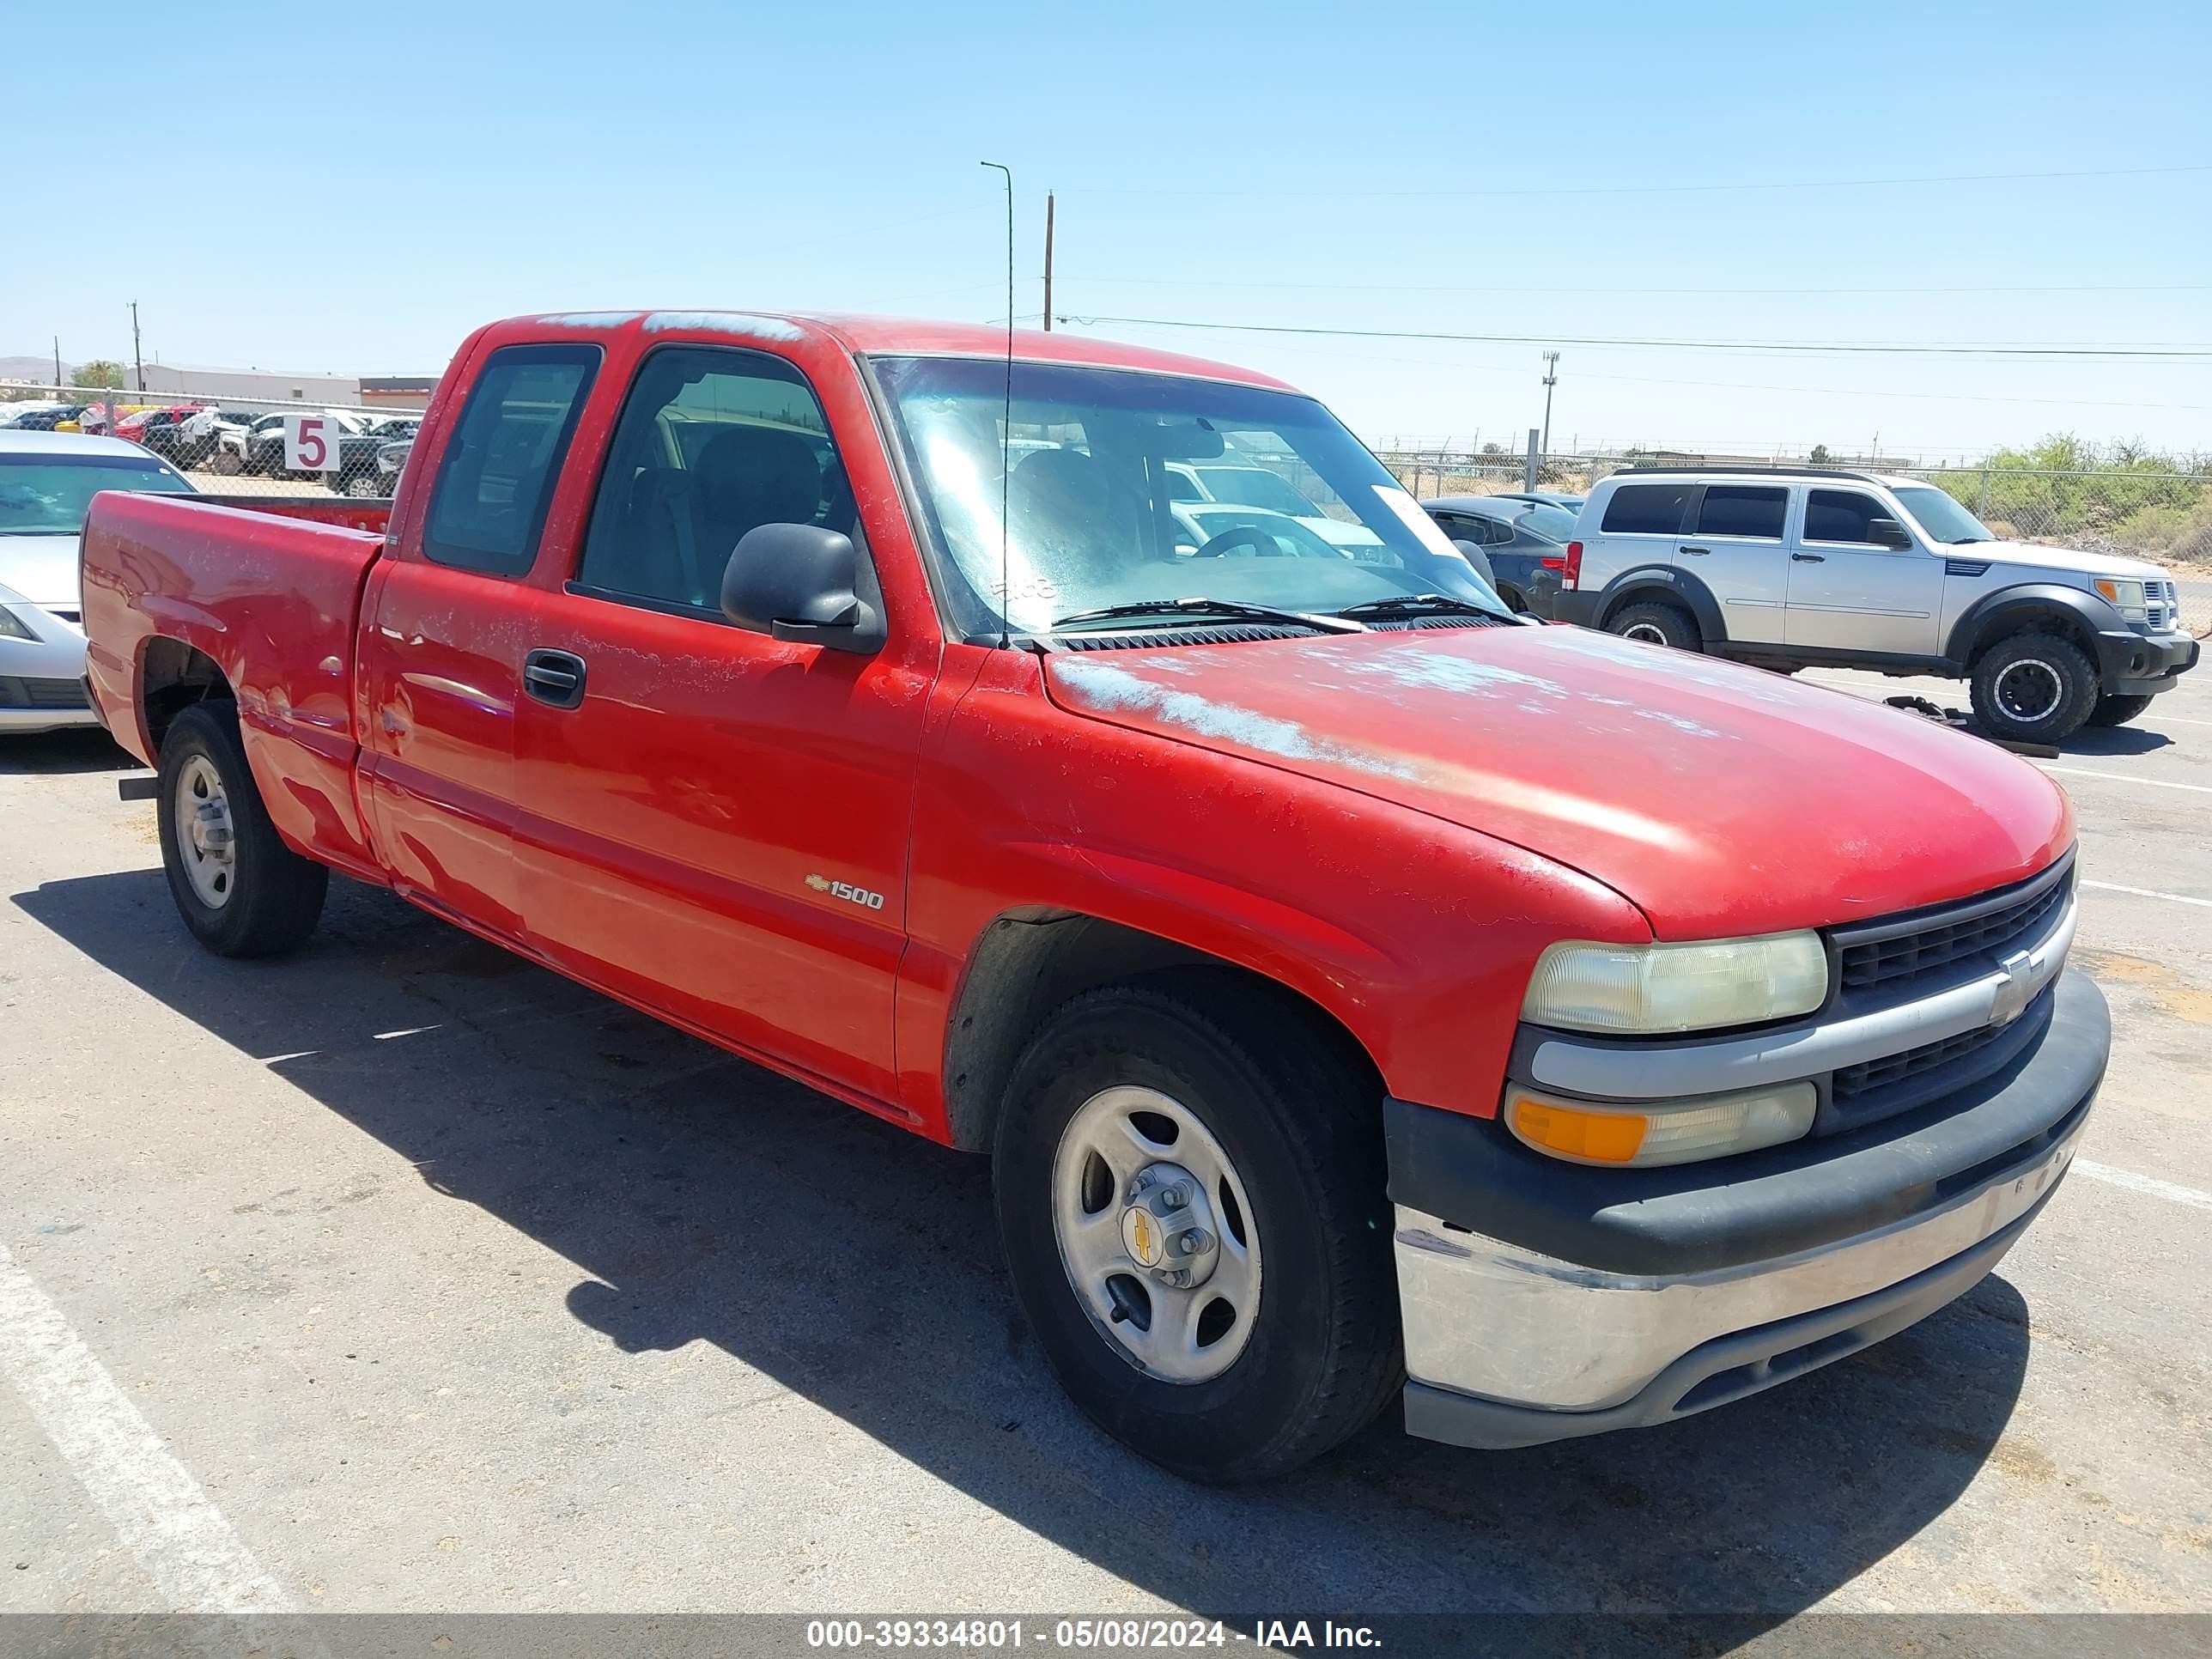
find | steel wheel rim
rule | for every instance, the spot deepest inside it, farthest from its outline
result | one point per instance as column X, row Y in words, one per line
column 1184, row 1335
column 1649, row 633
column 205, row 840
column 2011, row 696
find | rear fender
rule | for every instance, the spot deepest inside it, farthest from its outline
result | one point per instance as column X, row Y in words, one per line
column 1648, row 582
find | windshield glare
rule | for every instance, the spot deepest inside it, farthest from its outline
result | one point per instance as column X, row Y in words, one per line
column 1100, row 511
column 49, row 496
column 1940, row 518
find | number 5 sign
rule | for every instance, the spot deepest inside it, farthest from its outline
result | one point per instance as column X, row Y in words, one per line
column 311, row 443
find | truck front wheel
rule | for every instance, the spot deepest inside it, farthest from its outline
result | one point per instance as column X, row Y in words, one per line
column 2033, row 688
column 1190, row 1188
column 239, row 889
column 2117, row 710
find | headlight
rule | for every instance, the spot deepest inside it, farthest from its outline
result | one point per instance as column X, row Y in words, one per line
column 1671, row 1132
column 13, row 627
column 1633, row 989
column 2127, row 598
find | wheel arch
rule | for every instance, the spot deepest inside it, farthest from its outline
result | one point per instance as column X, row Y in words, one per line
column 1029, row 961
column 1666, row 584
column 2033, row 607
column 172, row 676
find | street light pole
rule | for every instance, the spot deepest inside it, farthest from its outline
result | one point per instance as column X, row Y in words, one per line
column 1550, row 379
column 138, row 358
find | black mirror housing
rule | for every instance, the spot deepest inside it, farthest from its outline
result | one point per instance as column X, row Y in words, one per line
column 800, row 581
column 1887, row 532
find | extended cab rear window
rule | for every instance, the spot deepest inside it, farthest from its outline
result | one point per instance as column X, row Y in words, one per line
column 1652, row 509
column 497, row 477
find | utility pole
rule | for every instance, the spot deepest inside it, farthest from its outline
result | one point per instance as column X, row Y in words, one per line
column 1550, row 379
column 138, row 358
column 1047, row 262
column 57, row 359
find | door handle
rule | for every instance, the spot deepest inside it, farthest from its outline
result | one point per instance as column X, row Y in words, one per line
column 554, row 678
column 1809, row 558
column 1696, row 552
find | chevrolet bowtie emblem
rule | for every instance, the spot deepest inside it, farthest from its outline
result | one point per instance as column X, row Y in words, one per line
column 2015, row 991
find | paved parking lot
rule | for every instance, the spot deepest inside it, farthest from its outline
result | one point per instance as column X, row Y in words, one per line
column 402, row 1275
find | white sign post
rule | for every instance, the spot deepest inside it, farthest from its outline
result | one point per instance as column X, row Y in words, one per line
column 311, row 444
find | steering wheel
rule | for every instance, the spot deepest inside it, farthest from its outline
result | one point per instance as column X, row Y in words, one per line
column 1263, row 545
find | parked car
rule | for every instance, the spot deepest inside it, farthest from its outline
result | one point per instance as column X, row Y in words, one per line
column 46, row 482
column 45, row 417
column 359, row 473
column 1524, row 540
column 1545, row 498
column 1792, row 567
column 390, row 461
column 1249, row 485
column 135, row 425
column 1346, row 980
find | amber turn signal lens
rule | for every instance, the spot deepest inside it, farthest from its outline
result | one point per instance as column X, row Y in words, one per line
column 1598, row 1137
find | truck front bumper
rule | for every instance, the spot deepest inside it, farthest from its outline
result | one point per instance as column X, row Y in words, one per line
column 2132, row 665
column 1544, row 1301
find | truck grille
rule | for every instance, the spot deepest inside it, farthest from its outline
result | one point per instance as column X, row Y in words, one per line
column 17, row 691
column 1885, row 953
column 2162, row 601
column 1853, row 1081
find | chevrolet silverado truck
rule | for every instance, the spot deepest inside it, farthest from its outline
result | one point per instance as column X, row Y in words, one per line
column 1361, row 992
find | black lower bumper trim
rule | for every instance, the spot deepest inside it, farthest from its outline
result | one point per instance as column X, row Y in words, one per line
column 2131, row 664
column 1728, row 1367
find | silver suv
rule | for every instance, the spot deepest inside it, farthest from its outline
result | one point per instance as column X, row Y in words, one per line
column 1790, row 568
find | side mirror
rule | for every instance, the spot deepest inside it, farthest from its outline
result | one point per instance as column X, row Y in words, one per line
column 1887, row 532
column 797, row 582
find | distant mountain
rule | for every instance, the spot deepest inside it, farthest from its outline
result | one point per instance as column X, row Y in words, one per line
column 40, row 369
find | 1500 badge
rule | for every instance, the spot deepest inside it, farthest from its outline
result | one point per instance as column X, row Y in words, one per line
column 846, row 891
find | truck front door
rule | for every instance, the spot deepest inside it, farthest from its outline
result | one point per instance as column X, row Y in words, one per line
column 714, row 822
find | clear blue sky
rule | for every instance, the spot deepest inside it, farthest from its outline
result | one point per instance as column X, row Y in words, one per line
column 355, row 196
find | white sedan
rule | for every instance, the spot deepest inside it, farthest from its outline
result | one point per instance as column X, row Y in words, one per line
column 47, row 481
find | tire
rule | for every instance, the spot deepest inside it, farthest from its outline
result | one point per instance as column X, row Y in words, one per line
column 1658, row 623
column 1312, row 1353
column 2117, row 710
column 264, row 898
column 2033, row 688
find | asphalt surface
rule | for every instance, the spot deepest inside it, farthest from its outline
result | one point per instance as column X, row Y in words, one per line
column 401, row 1275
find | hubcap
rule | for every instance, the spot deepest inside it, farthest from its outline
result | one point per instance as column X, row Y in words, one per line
column 1645, row 632
column 1156, row 1234
column 204, row 838
column 2029, row 690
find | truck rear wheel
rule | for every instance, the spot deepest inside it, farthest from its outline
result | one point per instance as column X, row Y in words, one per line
column 1656, row 623
column 1190, row 1188
column 2033, row 688
column 239, row 889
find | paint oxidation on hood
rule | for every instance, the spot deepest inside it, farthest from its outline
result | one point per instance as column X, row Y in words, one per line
column 1722, row 800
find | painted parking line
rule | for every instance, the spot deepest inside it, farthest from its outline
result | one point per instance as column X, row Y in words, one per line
column 2122, row 777
column 179, row 1538
column 2149, row 1185
column 2146, row 892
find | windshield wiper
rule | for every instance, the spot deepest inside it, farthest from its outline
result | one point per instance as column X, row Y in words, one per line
column 1198, row 608
column 1417, row 605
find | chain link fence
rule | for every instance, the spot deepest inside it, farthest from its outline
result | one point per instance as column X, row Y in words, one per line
column 2164, row 517
column 234, row 446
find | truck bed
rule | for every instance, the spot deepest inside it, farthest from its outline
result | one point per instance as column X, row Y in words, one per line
column 270, row 595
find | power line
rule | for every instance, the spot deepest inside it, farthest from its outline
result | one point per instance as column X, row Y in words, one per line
column 2191, row 350
column 1307, row 192
column 1434, row 288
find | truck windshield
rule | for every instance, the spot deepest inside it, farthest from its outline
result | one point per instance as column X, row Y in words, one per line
column 1940, row 518
column 1099, row 502
column 48, row 494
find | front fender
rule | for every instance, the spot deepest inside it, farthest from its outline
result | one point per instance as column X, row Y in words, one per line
column 1993, row 616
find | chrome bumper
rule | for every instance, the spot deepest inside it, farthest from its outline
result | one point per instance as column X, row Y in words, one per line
column 1597, row 1299
column 1519, row 1330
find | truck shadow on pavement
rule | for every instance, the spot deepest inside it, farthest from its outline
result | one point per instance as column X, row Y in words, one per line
column 706, row 1199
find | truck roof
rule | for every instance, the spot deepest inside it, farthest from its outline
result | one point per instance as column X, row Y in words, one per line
column 16, row 442
column 896, row 336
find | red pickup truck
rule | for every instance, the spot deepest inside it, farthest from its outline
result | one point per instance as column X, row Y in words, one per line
column 1359, row 989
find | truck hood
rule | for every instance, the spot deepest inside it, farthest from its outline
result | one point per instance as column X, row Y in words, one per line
column 2056, row 558
column 42, row 569
column 1720, row 799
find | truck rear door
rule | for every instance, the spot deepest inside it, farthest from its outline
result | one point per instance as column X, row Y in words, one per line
column 716, row 821
column 444, row 635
